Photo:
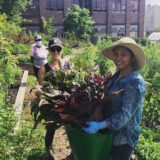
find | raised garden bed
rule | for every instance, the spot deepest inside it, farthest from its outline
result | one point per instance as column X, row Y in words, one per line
column 26, row 66
column 16, row 95
column 20, row 97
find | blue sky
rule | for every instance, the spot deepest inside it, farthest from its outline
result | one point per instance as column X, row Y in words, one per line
column 153, row 2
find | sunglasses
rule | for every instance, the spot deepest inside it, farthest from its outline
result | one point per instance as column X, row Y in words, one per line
column 57, row 48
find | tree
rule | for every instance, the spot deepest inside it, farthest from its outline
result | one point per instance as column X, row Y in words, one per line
column 79, row 22
column 14, row 9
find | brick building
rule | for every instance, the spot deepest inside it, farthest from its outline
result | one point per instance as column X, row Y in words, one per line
column 152, row 21
column 116, row 17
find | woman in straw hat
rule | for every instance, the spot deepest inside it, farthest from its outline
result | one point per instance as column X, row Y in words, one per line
column 126, row 107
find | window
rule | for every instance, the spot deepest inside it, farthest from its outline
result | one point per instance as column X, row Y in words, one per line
column 48, row 4
column 54, row 5
column 118, row 6
column 82, row 3
column 133, row 30
column 134, row 6
column 72, row 2
column 118, row 30
column 99, row 4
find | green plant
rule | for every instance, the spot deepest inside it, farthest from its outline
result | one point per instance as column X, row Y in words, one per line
column 79, row 22
column 105, row 65
column 21, row 49
column 8, row 68
column 152, row 61
column 24, row 58
column 24, row 144
column 66, row 51
column 149, row 145
column 71, row 40
column 48, row 26
column 151, row 109
column 31, row 80
column 85, row 59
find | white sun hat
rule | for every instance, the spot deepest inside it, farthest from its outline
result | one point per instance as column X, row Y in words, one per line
column 130, row 44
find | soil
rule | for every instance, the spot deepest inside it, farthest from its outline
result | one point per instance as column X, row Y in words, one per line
column 26, row 66
column 12, row 91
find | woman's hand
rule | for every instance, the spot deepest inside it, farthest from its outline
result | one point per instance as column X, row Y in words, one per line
column 94, row 126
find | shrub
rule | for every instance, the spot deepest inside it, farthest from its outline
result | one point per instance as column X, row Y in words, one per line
column 104, row 63
column 152, row 61
column 151, row 109
column 21, row 49
column 78, row 21
column 48, row 26
column 85, row 59
column 149, row 145
column 24, row 58
column 66, row 51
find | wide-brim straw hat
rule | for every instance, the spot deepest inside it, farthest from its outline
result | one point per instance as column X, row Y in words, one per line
column 130, row 44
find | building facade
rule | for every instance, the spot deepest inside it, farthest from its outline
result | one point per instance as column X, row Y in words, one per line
column 152, row 21
column 116, row 17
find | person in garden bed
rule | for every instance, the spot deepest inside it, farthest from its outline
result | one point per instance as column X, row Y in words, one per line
column 126, row 107
column 55, row 50
column 39, row 54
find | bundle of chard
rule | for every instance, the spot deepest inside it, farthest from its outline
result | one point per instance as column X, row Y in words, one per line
column 74, row 98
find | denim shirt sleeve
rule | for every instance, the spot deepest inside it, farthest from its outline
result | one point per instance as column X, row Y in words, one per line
column 131, row 101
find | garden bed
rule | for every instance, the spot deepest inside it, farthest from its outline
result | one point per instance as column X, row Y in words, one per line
column 27, row 66
column 20, row 97
column 13, row 90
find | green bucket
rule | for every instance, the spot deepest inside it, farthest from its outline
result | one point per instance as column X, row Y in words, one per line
column 89, row 146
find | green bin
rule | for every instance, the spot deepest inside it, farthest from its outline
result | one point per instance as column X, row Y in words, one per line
column 89, row 146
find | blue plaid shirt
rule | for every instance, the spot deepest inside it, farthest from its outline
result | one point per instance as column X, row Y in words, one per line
column 126, row 108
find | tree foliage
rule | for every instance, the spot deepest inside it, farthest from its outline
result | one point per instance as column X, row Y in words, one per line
column 78, row 21
column 48, row 26
column 14, row 9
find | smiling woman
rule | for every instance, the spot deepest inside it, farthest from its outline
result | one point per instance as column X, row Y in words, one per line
column 123, row 58
column 126, row 107
column 55, row 50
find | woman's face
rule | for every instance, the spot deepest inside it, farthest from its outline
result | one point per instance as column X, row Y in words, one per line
column 122, row 58
column 55, row 52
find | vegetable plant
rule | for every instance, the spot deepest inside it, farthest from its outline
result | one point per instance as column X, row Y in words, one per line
column 72, row 97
